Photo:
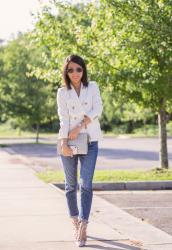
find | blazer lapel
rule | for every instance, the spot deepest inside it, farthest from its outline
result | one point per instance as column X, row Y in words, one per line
column 79, row 100
column 83, row 93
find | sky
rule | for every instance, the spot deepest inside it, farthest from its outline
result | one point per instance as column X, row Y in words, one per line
column 15, row 16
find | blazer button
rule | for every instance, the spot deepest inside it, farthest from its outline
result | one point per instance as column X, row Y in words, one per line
column 75, row 118
column 86, row 103
column 73, row 107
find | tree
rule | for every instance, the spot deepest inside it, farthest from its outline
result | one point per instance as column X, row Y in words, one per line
column 128, row 47
column 1, row 77
column 145, row 41
column 135, row 39
column 26, row 98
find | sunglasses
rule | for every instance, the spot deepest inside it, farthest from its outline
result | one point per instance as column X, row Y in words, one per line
column 78, row 70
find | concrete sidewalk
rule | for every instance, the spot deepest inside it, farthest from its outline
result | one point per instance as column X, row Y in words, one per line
column 33, row 216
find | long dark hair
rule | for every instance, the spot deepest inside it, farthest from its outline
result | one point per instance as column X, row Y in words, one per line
column 76, row 59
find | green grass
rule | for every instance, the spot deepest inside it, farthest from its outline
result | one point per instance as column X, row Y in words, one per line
column 113, row 175
column 6, row 131
column 24, row 134
column 149, row 130
column 3, row 146
column 50, row 176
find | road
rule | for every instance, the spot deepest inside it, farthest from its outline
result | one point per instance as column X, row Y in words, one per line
column 114, row 153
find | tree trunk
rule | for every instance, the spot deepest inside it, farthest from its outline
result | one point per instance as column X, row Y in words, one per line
column 130, row 126
column 163, row 153
column 144, row 124
column 37, row 132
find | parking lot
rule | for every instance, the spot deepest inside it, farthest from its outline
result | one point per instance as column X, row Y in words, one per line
column 154, row 207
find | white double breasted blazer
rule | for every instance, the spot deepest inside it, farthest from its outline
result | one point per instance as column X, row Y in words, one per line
column 71, row 110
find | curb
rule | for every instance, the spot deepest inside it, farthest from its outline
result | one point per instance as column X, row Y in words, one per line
column 130, row 185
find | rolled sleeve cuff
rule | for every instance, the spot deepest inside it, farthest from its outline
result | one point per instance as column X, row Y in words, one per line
column 63, row 133
column 92, row 115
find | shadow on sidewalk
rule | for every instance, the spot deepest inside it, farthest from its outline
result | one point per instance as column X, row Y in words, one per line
column 114, row 245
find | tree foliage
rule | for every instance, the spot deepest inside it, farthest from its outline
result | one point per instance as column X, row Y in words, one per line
column 25, row 98
column 127, row 44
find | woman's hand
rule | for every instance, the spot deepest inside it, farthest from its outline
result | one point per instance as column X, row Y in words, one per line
column 73, row 134
column 66, row 150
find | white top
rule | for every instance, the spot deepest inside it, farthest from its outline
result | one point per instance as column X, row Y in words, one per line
column 71, row 110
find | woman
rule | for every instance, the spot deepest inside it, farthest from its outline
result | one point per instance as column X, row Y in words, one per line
column 79, row 107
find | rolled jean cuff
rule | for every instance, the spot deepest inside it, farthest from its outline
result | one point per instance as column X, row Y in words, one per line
column 73, row 216
column 84, row 220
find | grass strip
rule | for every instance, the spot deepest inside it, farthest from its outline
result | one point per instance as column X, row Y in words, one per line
column 156, row 174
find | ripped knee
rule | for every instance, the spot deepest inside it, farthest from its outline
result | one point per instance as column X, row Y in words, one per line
column 86, row 186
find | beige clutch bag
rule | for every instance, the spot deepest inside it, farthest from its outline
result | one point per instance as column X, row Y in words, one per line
column 80, row 144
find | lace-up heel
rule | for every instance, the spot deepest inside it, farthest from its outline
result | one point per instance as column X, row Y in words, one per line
column 75, row 223
column 82, row 234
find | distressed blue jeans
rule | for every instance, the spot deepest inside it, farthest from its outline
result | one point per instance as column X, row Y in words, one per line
column 70, row 165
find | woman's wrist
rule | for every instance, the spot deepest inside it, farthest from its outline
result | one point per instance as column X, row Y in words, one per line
column 64, row 142
column 81, row 126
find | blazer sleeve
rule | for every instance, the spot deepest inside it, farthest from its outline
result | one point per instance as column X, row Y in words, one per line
column 97, row 106
column 63, row 114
